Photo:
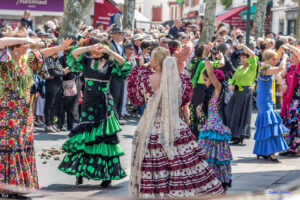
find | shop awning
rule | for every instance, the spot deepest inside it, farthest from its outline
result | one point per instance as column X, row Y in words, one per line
column 230, row 13
column 252, row 12
column 141, row 20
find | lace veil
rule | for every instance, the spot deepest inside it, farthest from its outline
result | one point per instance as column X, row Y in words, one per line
column 168, row 97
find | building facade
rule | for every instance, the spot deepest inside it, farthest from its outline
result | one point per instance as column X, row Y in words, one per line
column 285, row 14
column 41, row 10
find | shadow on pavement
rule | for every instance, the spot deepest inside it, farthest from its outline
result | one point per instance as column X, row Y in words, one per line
column 71, row 188
column 253, row 160
column 128, row 136
column 41, row 135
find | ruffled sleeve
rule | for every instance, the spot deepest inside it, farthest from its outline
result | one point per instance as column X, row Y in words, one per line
column 138, row 87
column 187, row 89
column 74, row 64
column 121, row 72
column 262, row 72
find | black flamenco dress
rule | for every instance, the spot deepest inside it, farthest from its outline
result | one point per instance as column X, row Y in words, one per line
column 92, row 151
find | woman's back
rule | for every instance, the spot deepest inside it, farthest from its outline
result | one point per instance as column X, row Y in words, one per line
column 142, row 84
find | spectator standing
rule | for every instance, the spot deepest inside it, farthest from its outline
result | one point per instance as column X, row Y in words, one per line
column 174, row 31
column 117, row 85
column 137, row 41
column 26, row 18
column 118, row 18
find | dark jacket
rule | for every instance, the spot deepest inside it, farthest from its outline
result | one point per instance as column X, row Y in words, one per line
column 174, row 31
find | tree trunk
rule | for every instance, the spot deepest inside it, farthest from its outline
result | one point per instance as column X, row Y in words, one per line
column 259, row 19
column 74, row 11
column 128, row 14
column 209, row 22
column 298, row 25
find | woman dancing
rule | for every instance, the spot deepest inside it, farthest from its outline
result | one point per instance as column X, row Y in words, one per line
column 239, row 108
column 269, row 128
column 17, row 158
column 214, row 136
column 166, row 161
column 93, row 151
column 289, row 81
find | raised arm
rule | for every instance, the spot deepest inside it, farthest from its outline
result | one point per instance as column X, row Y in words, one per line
column 77, row 52
column 210, row 70
column 280, row 78
column 276, row 70
column 52, row 50
column 246, row 50
column 9, row 41
column 118, row 58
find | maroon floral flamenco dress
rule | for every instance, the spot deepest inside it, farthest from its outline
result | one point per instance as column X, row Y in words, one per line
column 187, row 174
column 17, row 158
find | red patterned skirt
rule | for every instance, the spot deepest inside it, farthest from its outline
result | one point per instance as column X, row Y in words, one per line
column 186, row 175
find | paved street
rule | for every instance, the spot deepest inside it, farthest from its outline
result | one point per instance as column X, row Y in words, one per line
column 249, row 174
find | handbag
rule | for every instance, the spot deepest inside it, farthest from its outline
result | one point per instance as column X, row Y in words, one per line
column 70, row 88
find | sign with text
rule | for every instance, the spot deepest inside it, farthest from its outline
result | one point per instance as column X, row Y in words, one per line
column 103, row 11
column 34, row 5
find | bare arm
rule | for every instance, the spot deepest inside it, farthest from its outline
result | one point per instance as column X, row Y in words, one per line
column 247, row 50
column 279, row 53
column 276, row 70
column 120, row 60
column 77, row 52
column 280, row 78
column 52, row 50
column 210, row 71
column 9, row 41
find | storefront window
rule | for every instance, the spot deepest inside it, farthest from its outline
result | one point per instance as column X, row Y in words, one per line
column 291, row 27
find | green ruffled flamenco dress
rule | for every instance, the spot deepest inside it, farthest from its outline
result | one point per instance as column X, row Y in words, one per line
column 93, row 149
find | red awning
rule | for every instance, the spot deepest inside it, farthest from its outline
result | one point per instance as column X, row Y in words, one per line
column 230, row 13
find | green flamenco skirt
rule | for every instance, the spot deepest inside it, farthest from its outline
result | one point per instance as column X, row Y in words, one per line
column 93, row 151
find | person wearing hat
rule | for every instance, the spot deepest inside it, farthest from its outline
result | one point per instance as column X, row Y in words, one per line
column 117, row 85
column 137, row 41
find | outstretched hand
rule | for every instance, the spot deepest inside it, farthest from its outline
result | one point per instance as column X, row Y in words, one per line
column 66, row 43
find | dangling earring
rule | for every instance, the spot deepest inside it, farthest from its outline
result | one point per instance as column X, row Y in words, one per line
column 16, row 53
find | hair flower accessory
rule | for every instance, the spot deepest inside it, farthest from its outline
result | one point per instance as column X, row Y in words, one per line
column 171, row 49
column 219, row 74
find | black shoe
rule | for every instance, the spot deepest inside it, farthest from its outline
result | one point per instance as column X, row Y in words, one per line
column 79, row 180
column 275, row 160
column 105, row 184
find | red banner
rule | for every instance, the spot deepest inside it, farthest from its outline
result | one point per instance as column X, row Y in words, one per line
column 103, row 11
